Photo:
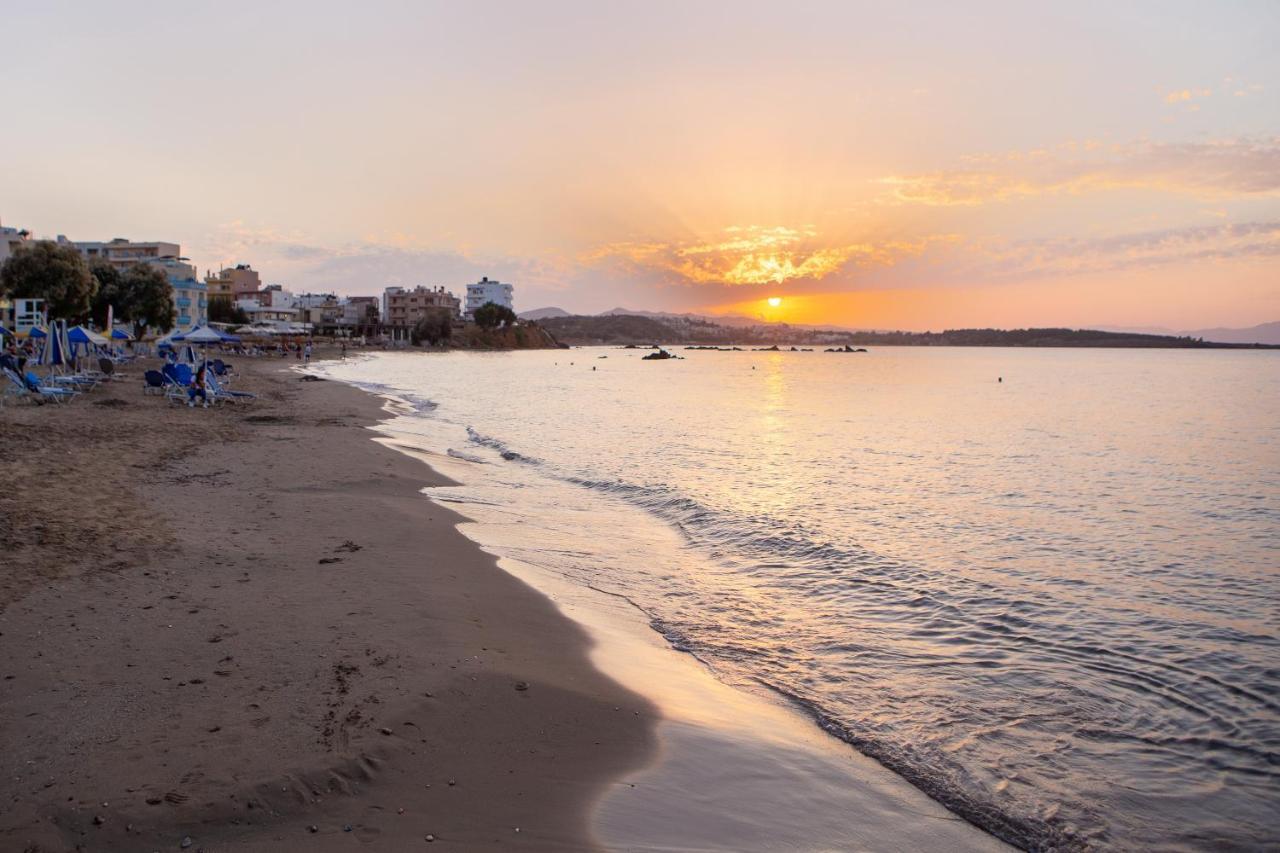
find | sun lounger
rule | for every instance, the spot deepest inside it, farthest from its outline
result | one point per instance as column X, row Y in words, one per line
column 218, row 393
column 33, row 385
column 174, row 387
column 13, row 386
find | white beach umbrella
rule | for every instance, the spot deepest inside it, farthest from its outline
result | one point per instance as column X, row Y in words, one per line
column 203, row 335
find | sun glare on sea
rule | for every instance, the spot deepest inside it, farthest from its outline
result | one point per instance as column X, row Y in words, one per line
column 775, row 301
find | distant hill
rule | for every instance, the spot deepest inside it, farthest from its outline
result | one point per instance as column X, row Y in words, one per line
column 610, row 329
column 543, row 313
column 733, row 320
column 619, row 328
column 1266, row 333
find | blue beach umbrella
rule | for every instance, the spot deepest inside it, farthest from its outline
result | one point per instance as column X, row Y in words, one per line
column 120, row 335
column 81, row 335
column 37, row 332
column 5, row 333
column 54, row 351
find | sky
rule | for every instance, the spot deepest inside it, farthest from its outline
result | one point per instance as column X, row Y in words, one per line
column 875, row 165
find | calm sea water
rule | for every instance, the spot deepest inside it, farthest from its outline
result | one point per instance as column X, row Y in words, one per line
column 1052, row 602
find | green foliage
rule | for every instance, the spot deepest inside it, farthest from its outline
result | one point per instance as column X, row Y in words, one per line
column 140, row 294
column 491, row 315
column 434, row 328
column 57, row 274
column 223, row 310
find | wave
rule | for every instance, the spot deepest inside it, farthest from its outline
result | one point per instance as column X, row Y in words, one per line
column 1027, row 833
column 503, row 450
column 885, row 657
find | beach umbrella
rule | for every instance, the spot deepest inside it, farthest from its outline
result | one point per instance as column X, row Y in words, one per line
column 54, row 351
column 170, row 339
column 120, row 335
column 203, row 335
column 37, row 332
column 82, row 335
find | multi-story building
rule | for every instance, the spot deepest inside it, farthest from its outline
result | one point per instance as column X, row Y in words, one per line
column 233, row 283
column 11, row 239
column 484, row 291
column 274, row 296
column 190, row 295
column 404, row 308
column 121, row 252
column 14, row 314
column 359, row 311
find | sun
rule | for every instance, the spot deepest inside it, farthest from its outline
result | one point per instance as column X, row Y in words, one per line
column 775, row 301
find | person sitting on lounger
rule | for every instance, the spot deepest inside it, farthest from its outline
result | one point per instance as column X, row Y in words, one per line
column 198, row 388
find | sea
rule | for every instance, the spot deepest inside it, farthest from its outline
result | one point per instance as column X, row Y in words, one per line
column 1041, row 585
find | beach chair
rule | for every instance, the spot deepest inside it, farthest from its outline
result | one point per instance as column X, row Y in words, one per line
column 13, row 385
column 218, row 393
column 153, row 382
column 107, row 368
column 174, row 387
column 47, row 392
column 74, row 381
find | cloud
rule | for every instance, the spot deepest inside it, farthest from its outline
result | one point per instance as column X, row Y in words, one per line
column 1071, row 256
column 302, row 263
column 1229, row 168
column 751, row 255
column 1180, row 96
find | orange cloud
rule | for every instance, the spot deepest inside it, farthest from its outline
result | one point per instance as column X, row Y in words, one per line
column 756, row 255
column 1182, row 95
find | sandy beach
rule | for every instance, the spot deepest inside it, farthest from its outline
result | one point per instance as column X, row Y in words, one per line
column 244, row 626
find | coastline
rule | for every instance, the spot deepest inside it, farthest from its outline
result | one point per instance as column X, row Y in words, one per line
column 246, row 626
column 735, row 769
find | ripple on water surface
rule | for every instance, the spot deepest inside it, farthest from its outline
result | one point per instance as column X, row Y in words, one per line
column 1051, row 603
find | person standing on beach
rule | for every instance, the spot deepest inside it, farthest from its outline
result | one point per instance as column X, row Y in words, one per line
column 306, row 354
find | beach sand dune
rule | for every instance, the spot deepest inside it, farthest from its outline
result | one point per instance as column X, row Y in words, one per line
column 246, row 626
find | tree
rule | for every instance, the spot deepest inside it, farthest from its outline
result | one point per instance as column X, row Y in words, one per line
column 52, row 272
column 491, row 315
column 139, row 294
column 108, row 293
column 434, row 328
column 225, row 311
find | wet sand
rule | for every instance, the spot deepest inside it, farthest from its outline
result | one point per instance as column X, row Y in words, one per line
column 246, row 626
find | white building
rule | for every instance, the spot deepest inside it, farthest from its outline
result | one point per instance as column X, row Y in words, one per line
column 488, row 291
column 386, row 299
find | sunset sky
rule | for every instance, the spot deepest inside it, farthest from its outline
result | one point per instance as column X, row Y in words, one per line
column 903, row 165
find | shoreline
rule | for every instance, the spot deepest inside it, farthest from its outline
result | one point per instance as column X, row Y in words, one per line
column 246, row 626
column 735, row 770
